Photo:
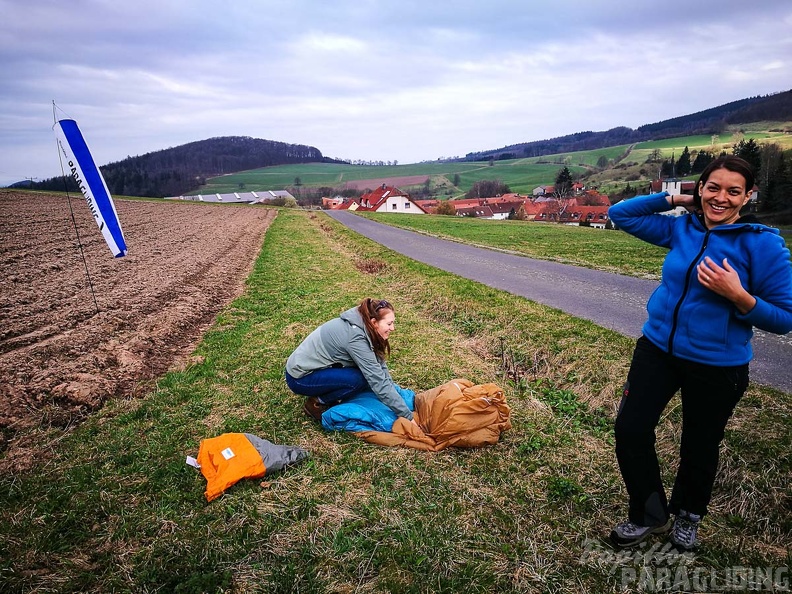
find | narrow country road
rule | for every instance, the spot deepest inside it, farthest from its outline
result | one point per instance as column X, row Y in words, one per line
column 610, row 300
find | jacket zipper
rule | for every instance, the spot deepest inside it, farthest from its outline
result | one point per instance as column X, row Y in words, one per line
column 685, row 290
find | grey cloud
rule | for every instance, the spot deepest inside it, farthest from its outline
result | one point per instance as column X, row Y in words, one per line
column 435, row 78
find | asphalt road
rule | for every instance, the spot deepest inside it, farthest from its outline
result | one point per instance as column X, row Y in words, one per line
column 610, row 300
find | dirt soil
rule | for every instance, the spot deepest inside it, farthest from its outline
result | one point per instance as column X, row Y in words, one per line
column 60, row 359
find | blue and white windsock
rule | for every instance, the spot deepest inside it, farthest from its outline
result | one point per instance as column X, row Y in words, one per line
column 91, row 184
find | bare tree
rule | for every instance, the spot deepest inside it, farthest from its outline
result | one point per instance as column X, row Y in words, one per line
column 444, row 207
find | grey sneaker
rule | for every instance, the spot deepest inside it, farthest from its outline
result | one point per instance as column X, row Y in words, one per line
column 683, row 533
column 628, row 534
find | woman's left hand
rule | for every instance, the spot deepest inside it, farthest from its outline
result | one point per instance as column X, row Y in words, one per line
column 725, row 282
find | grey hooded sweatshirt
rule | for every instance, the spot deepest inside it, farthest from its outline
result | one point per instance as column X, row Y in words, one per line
column 344, row 341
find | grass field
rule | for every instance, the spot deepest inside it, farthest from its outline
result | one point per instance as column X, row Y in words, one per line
column 611, row 251
column 521, row 175
column 608, row 250
column 113, row 508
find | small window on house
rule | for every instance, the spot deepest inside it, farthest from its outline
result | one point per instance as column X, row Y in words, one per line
column 406, row 205
column 394, row 206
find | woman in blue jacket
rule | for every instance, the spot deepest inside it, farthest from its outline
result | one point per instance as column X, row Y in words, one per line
column 724, row 274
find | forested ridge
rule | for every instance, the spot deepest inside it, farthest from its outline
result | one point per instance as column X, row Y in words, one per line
column 776, row 107
column 175, row 171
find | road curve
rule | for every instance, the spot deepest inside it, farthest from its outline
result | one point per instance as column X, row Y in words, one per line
column 610, row 300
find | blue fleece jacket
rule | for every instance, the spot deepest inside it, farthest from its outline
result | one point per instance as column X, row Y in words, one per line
column 690, row 321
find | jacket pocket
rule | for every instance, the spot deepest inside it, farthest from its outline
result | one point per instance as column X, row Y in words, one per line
column 708, row 327
column 660, row 312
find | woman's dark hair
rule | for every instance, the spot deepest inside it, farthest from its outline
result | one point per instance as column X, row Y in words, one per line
column 375, row 308
column 730, row 162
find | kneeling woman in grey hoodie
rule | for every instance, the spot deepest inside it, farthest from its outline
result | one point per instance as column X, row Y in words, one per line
column 344, row 357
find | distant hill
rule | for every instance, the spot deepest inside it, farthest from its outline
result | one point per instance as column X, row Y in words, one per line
column 175, row 171
column 776, row 107
column 24, row 184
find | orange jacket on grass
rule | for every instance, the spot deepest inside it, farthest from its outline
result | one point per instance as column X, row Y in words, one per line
column 226, row 459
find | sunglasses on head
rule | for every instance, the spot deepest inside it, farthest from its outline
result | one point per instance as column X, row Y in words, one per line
column 382, row 305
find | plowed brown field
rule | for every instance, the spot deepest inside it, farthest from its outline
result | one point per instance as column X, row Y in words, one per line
column 60, row 358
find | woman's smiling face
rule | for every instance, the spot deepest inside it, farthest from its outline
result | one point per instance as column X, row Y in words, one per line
column 385, row 325
column 722, row 196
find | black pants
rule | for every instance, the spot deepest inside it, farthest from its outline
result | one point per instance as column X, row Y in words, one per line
column 709, row 395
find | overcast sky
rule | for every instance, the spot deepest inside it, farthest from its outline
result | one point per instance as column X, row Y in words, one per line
column 387, row 80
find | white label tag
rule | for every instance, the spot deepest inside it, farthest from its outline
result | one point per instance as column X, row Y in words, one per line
column 228, row 453
column 192, row 462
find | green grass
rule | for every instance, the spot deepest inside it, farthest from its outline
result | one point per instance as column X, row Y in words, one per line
column 583, row 158
column 110, row 505
column 521, row 175
column 611, row 251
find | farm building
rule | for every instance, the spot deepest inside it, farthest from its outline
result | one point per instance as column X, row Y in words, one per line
column 236, row 197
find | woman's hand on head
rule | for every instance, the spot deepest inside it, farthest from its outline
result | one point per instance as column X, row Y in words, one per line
column 684, row 200
column 725, row 282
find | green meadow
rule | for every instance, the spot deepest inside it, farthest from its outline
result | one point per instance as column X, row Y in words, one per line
column 521, row 175
column 111, row 505
column 607, row 250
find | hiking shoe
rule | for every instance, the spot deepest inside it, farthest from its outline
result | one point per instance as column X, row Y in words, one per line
column 683, row 533
column 628, row 534
column 314, row 409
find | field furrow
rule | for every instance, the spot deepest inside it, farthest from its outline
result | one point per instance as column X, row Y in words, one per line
column 60, row 357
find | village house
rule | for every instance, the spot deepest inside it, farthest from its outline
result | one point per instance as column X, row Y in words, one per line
column 340, row 203
column 480, row 212
column 672, row 185
column 586, row 216
column 331, row 203
column 495, row 208
column 568, row 212
column 677, row 186
column 467, row 202
column 514, row 197
column 430, row 205
column 530, row 210
column 593, row 198
column 589, row 209
column 388, row 199
column 503, row 210
column 543, row 191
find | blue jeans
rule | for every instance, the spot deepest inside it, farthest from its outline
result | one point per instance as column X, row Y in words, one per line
column 330, row 385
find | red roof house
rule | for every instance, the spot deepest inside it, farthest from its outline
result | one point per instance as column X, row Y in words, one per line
column 389, row 199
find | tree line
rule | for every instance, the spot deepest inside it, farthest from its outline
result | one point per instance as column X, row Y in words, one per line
column 775, row 107
column 771, row 165
column 773, row 168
